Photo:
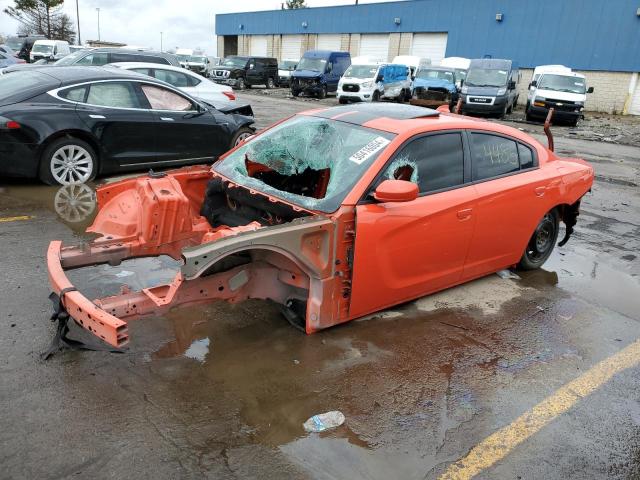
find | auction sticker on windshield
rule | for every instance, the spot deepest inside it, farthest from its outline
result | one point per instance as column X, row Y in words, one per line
column 369, row 149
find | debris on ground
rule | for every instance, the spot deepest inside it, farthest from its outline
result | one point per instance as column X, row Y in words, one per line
column 324, row 421
column 505, row 274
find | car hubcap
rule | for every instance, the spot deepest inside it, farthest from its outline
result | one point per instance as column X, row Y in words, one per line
column 242, row 137
column 71, row 164
column 542, row 240
column 75, row 203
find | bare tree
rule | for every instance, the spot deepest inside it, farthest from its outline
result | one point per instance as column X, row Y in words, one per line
column 293, row 4
column 42, row 17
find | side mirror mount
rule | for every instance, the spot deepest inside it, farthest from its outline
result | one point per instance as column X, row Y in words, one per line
column 590, row 90
column 396, row 191
column 534, row 83
column 512, row 84
column 379, row 78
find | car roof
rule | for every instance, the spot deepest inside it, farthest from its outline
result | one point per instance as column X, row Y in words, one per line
column 74, row 74
column 400, row 119
column 130, row 65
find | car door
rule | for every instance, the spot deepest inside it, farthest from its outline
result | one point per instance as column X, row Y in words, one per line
column 255, row 72
column 113, row 112
column 185, row 131
column 511, row 200
column 406, row 250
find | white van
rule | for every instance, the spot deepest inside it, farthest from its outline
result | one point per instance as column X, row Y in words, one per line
column 371, row 82
column 557, row 87
column 49, row 50
column 184, row 54
column 459, row 64
column 412, row 62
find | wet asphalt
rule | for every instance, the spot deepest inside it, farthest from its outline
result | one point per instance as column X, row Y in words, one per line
column 221, row 391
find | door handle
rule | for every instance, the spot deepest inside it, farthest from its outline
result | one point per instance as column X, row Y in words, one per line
column 540, row 191
column 464, row 214
column 166, row 119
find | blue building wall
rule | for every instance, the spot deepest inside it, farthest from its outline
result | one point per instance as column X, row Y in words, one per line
column 583, row 34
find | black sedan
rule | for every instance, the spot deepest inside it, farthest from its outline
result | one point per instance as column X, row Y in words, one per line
column 67, row 125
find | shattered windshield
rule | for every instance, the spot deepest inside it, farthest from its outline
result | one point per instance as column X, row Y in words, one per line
column 313, row 64
column 435, row 75
column 361, row 71
column 486, row 77
column 312, row 162
column 562, row 83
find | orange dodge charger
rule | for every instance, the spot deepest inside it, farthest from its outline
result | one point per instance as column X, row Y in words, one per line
column 334, row 213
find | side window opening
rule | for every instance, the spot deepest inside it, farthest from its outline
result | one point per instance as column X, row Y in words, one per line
column 526, row 157
column 163, row 99
column 113, row 94
column 493, row 156
column 77, row 94
column 433, row 162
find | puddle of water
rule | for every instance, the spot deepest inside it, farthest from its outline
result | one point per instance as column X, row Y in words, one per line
column 581, row 273
column 74, row 205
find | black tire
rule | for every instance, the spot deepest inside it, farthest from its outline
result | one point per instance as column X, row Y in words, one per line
column 241, row 84
column 376, row 96
column 241, row 134
column 323, row 92
column 400, row 98
column 510, row 109
column 573, row 123
column 503, row 113
column 295, row 92
column 51, row 154
column 342, row 101
column 270, row 83
column 542, row 242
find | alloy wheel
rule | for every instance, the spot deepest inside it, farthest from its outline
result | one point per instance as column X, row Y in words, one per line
column 242, row 137
column 71, row 164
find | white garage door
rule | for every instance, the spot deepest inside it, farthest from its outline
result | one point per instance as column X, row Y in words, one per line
column 291, row 46
column 634, row 107
column 258, row 45
column 329, row 42
column 375, row 46
column 430, row 45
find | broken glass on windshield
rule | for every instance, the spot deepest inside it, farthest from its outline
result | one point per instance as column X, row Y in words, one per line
column 311, row 161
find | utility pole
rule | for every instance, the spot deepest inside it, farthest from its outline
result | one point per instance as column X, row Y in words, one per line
column 98, row 10
column 78, row 18
column 161, row 41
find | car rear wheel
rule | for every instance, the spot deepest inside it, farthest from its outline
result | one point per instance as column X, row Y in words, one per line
column 68, row 161
column 240, row 136
column 542, row 242
column 270, row 83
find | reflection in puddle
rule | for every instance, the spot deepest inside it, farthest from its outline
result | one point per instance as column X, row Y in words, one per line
column 75, row 203
column 198, row 350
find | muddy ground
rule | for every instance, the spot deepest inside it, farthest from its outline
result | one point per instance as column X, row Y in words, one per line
column 222, row 391
column 596, row 126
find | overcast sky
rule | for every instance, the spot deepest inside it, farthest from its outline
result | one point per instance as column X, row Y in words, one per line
column 184, row 23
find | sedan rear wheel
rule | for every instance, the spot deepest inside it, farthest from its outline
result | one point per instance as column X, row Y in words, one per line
column 542, row 242
column 68, row 161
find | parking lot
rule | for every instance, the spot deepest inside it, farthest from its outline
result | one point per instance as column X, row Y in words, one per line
column 529, row 377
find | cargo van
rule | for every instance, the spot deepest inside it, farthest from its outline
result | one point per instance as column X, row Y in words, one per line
column 49, row 50
column 319, row 72
column 491, row 87
column 22, row 44
column 184, row 54
column 413, row 62
column 371, row 82
column 557, row 87
column 459, row 64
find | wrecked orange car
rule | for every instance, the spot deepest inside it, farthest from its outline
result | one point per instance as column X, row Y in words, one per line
column 334, row 214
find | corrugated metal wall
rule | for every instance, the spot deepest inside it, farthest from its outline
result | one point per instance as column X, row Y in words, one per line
column 583, row 34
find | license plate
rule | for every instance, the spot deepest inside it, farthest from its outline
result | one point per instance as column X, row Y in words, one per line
column 480, row 100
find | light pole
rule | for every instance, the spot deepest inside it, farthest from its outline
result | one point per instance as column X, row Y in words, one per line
column 161, row 41
column 98, row 10
column 78, row 18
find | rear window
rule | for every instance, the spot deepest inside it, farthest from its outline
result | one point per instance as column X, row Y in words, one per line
column 21, row 85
